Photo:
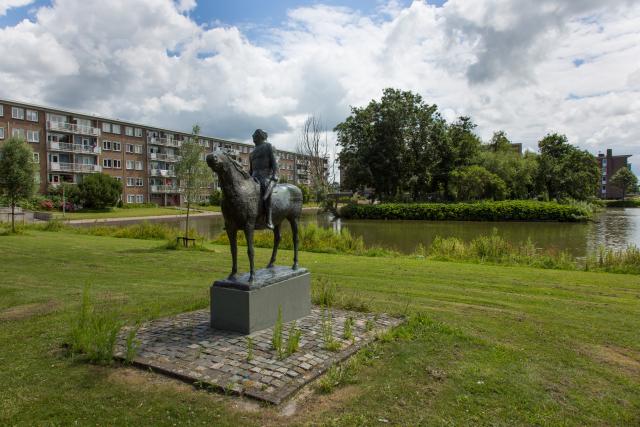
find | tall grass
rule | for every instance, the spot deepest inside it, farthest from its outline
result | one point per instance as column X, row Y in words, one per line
column 615, row 260
column 312, row 238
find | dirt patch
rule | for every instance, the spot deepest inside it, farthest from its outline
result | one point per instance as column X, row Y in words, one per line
column 626, row 359
column 141, row 379
column 21, row 312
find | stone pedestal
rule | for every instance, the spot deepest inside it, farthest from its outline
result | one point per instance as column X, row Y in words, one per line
column 243, row 307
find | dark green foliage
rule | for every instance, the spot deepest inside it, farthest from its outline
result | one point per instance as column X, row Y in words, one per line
column 215, row 198
column 476, row 183
column 100, row 191
column 306, row 193
column 629, row 203
column 510, row 210
column 566, row 171
column 17, row 173
column 625, row 180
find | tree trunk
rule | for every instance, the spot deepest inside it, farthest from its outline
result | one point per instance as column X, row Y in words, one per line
column 186, row 232
column 13, row 217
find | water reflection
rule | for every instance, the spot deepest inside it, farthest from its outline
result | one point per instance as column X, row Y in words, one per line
column 614, row 228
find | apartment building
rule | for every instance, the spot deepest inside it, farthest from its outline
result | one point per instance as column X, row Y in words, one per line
column 609, row 165
column 69, row 145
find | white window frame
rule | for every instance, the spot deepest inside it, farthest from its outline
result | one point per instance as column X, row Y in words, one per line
column 18, row 133
column 117, row 164
column 130, row 182
column 128, row 148
column 1, row 110
column 106, row 163
column 31, row 134
column 36, row 157
column 137, row 149
column 139, row 165
column 106, row 127
column 116, row 146
column 131, row 198
column 115, row 128
column 15, row 110
column 139, row 198
column 130, row 164
column 128, row 131
column 32, row 115
column 106, row 144
column 1, row 133
column 137, row 132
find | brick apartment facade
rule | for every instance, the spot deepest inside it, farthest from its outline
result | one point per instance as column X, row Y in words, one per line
column 609, row 165
column 69, row 145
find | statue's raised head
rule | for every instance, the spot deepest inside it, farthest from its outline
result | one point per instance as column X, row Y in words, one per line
column 259, row 136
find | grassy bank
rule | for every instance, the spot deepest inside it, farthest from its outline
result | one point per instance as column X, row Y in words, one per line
column 508, row 210
column 500, row 346
column 120, row 213
column 629, row 203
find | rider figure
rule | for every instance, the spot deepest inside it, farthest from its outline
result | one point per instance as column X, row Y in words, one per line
column 263, row 167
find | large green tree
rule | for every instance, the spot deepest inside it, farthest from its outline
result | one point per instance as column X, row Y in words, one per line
column 566, row 171
column 396, row 145
column 99, row 191
column 192, row 172
column 17, row 173
column 476, row 183
column 625, row 180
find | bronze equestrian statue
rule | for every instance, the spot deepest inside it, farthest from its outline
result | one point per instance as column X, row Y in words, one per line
column 256, row 201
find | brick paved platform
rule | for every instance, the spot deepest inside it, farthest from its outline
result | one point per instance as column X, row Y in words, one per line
column 185, row 347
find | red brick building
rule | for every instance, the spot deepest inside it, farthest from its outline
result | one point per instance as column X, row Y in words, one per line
column 609, row 165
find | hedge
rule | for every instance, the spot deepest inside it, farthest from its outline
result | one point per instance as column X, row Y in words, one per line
column 509, row 210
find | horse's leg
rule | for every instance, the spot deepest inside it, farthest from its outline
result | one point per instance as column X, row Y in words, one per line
column 276, row 243
column 248, row 233
column 294, row 233
column 233, row 242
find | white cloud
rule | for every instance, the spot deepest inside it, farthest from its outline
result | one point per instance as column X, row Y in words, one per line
column 509, row 65
column 10, row 4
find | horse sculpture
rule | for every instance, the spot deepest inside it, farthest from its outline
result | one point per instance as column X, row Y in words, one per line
column 242, row 209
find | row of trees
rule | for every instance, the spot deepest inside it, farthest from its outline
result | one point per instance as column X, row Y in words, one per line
column 403, row 149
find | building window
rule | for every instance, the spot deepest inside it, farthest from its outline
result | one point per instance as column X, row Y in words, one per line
column 138, row 132
column 117, row 164
column 18, row 133
column 131, row 198
column 1, row 110
column 17, row 113
column 115, row 129
column 129, row 148
column 138, row 165
column 116, row 146
column 130, row 164
column 106, row 127
column 119, row 178
column 33, row 136
column 140, row 198
column 137, row 149
column 36, row 157
column 128, row 130
column 1, row 133
column 106, row 163
column 32, row 115
column 106, row 145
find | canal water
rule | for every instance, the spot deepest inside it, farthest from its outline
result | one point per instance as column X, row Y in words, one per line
column 614, row 228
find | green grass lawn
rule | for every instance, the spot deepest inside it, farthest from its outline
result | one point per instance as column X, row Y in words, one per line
column 133, row 212
column 507, row 345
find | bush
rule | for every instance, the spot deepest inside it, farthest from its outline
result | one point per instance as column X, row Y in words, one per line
column 509, row 210
column 46, row 204
column 629, row 203
column 100, row 191
column 215, row 198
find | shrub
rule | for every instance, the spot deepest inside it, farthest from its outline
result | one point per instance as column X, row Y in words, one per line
column 509, row 210
column 100, row 191
column 46, row 204
column 215, row 198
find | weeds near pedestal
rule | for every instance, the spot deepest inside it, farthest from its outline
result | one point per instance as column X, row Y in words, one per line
column 330, row 343
column 276, row 338
column 132, row 344
column 293, row 342
column 347, row 330
column 249, row 349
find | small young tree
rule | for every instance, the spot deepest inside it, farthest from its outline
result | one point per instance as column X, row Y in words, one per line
column 192, row 171
column 16, row 173
column 625, row 180
column 99, row 191
column 314, row 146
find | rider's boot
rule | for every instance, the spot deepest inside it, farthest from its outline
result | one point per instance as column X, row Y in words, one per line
column 267, row 208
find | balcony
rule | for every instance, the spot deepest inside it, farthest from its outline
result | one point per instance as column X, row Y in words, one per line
column 167, row 173
column 165, row 189
column 167, row 142
column 74, row 167
column 164, row 157
column 73, row 148
column 73, row 128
